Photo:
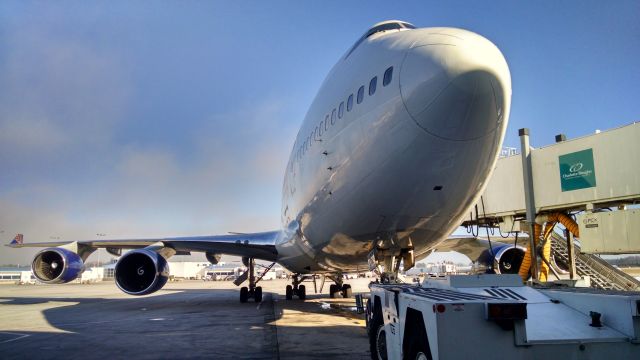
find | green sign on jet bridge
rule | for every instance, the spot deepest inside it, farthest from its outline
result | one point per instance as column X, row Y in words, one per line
column 577, row 170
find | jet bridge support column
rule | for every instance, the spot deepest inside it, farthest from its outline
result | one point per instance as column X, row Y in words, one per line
column 571, row 254
column 529, row 199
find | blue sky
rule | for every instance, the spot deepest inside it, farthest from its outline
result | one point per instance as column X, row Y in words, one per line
column 129, row 119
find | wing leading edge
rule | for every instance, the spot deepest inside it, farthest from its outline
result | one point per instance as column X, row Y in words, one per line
column 255, row 245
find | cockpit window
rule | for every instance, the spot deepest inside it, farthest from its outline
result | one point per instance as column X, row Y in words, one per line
column 385, row 26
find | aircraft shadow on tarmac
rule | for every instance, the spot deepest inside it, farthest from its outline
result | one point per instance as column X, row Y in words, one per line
column 181, row 323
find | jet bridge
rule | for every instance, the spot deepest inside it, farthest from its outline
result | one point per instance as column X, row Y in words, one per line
column 590, row 184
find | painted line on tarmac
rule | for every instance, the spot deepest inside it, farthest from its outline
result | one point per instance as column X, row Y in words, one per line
column 19, row 336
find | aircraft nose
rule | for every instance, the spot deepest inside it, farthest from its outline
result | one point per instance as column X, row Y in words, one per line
column 459, row 90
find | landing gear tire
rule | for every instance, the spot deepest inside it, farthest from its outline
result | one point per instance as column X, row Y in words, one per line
column 302, row 292
column 289, row 292
column 257, row 295
column 244, row 294
column 418, row 349
column 346, row 291
column 378, row 342
column 334, row 291
column 367, row 316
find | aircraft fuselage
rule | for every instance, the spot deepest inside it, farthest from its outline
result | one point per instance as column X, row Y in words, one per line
column 402, row 163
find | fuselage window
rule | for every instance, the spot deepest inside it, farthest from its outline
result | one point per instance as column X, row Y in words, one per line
column 360, row 94
column 320, row 128
column 333, row 117
column 350, row 102
column 372, row 85
column 326, row 123
column 388, row 74
column 316, row 134
column 341, row 110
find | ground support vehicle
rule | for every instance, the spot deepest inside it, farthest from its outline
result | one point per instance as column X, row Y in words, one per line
column 496, row 316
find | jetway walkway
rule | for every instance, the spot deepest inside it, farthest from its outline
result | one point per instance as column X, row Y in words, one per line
column 592, row 182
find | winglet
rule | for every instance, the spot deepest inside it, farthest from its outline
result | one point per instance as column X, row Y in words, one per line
column 17, row 240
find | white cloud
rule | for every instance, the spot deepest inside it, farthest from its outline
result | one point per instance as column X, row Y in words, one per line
column 65, row 103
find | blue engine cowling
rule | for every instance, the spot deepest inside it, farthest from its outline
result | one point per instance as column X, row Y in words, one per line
column 141, row 272
column 57, row 266
column 506, row 258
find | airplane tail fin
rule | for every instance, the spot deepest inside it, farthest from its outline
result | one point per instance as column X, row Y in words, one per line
column 17, row 240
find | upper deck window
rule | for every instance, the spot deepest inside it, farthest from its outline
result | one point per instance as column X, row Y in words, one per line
column 372, row 85
column 341, row 110
column 333, row 117
column 360, row 94
column 326, row 123
column 388, row 75
column 350, row 102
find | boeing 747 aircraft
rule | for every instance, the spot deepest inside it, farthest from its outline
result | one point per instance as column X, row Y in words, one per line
column 396, row 147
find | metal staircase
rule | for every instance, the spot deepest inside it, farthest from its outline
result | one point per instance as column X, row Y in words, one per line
column 602, row 274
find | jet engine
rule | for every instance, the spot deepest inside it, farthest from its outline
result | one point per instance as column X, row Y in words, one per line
column 141, row 272
column 507, row 258
column 57, row 266
column 213, row 258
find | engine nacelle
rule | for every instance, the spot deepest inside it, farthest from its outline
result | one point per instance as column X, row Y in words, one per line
column 213, row 257
column 56, row 266
column 507, row 258
column 141, row 272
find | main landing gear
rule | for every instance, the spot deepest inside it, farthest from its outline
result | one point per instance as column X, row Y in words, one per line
column 339, row 289
column 335, row 290
column 252, row 291
column 296, row 289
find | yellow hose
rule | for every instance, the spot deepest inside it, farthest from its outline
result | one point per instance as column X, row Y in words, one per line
column 525, row 266
column 567, row 221
column 550, row 221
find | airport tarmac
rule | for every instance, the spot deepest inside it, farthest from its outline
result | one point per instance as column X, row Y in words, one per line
column 186, row 319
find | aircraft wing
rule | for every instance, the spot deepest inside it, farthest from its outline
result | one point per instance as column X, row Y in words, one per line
column 256, row 245
column 475, row 247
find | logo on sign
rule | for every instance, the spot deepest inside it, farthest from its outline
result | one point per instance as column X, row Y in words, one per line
column 576, row 167
column 577, row 170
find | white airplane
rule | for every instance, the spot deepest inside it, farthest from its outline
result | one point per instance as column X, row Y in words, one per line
column 396, row 147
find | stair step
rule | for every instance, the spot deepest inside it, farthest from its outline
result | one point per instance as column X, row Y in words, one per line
column 602, row 275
